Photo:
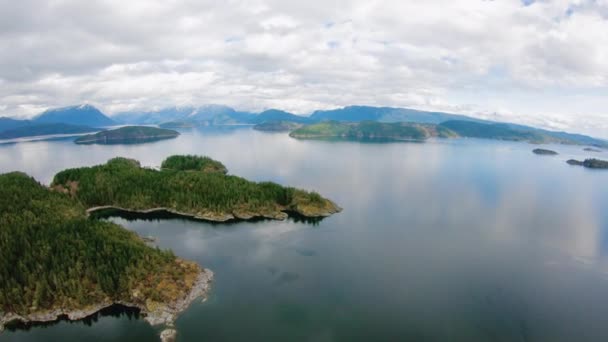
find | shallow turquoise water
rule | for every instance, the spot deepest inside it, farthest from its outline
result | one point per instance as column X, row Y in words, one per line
column 462, row 240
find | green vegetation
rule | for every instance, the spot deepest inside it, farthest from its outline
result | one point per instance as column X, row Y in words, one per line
column 53, row 257
column 371, row 130
column 128, row 134
column 193, row 163
column 213, row 195
column 590, row 163
column 44, row 129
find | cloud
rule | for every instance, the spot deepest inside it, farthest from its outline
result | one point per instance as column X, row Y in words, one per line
column 525, row 60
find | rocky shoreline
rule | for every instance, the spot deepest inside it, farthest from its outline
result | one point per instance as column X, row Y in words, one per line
column 163, row 314
column 224, row 217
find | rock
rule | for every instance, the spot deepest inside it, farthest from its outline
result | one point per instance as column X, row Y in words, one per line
column 168, row 335
column 544, row 152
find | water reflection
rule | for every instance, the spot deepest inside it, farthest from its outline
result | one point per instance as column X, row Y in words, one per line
column 116, row 311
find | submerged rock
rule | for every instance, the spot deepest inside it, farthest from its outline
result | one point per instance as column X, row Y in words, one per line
column 168, row 335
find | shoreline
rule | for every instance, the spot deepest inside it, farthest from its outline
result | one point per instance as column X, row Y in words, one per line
column 220, row 217
column 163, row 314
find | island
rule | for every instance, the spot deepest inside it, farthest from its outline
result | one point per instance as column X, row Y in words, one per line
column 127, row 135
column 591, row 149
column 590, row 163
column 371, row 130
column 189, row 186
column 178, row 124
column 277, row 126
column 544, row 152
column 56, row 262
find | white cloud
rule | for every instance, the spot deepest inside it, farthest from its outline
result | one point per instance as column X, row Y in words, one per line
column 545, row 63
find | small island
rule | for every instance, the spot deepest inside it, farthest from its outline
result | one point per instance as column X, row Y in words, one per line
column 127, row 135
column 56, row 262
column 189, row 186
column 590, row 163
column 277, row 126
column 544, row 152
column 591, row 149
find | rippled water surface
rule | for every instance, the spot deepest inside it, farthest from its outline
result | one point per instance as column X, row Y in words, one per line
column 461, row 240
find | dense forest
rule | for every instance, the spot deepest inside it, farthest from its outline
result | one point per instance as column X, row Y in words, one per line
column 52, row 256
column 123, row 183
column 128, row 134
column 193, row 163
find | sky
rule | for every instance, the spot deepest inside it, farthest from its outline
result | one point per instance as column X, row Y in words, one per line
column 543, row 63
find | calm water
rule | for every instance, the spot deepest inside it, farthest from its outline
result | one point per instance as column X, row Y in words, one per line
column 461, row 240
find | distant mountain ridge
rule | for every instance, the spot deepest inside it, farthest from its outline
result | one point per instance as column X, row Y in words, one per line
column 82, row 115
column 213, row 114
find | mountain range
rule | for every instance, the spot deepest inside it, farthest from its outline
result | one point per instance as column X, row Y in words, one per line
column 79, row 118
column 66, row 120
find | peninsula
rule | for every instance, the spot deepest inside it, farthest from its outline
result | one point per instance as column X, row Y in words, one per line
column 128, row 135
column 55, row 262
column 189, row 186
column 371, row 130
column 366, row 130
column 277, row 126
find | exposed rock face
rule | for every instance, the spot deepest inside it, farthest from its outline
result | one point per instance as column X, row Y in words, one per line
column 544, row 152
column 168, row 335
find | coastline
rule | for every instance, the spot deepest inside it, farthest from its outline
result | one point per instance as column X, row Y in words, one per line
column 279, row 215
column 156, row 314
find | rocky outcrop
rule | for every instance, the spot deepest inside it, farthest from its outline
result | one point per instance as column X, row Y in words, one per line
column 168, row 335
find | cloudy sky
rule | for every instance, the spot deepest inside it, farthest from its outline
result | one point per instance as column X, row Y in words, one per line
column 534, row 62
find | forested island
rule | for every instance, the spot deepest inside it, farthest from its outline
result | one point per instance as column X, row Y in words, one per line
column 190, row 186
column 366, row 130
column 544, row 152
column 277, row 126
column 55, row 261
column 590, row 163
column 128, row 135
